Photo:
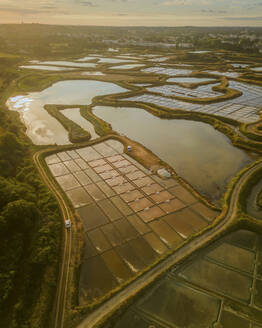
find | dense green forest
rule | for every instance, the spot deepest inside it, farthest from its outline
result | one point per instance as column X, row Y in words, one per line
column 29, row 224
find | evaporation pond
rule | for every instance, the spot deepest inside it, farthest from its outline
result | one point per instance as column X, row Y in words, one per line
column 257, row 69
column 47, row 68
column 131, row 66
column 198, row 153
column 189, row 79
column 113, row 60
column 42, row 128
column 66, row 63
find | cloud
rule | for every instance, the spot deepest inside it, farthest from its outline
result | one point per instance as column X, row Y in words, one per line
column 86, row 3
column 24, row 11
column 175, row 3
column 245, row 18
column 211, row 11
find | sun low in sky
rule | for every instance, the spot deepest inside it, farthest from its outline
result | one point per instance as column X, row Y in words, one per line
column 134, row 12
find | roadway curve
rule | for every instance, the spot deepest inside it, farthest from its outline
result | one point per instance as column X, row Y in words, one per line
column 115, row 302
column 62, row 282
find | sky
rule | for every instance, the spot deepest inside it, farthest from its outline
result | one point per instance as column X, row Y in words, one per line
column 133, row 12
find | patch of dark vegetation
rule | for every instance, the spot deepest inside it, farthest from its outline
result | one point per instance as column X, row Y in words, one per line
column 259, row 199
column 29, row 226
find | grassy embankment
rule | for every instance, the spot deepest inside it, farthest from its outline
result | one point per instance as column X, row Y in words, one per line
column 259, row 199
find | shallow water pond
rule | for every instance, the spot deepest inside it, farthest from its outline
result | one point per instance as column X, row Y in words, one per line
column 199, row 52
column 127, row 66
column 42, row 128
column 113, row 60
column 257, row 69
column 239, row 65
column 93, row 73
column 197, row 152
column 87, row 58
column 47, row 68
column 67, row 63
column 189, row 79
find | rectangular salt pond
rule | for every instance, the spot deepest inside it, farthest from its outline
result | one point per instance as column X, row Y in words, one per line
column 199, row 52
column 113, row 60
column 193, row 149
column 42, row 128
column 243, row 108
column 87, row 58
column 204, row 91
column 47, row 68
column 238, row 65
column 127, row 66
column 227, row 74
column 93, row 73
column 257, row 69
column 166, row 71
column 67, row 63
column 190, row 79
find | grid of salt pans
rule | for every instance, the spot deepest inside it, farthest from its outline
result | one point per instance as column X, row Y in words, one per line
column 204, row 91
column 166, row 71
column 242, row 111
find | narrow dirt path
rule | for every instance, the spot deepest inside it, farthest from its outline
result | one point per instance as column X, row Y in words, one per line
column 60, row 301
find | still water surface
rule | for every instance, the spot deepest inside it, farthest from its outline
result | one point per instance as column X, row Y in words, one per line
column 200, row 154
column 42, row 128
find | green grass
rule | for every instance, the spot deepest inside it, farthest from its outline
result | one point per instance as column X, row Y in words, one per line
column 259, row 199
column 35, row 82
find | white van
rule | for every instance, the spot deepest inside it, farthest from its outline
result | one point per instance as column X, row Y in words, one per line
column 67, row 224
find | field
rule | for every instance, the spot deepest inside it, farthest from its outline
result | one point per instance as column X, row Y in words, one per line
column 204, row 290
column 124, row 209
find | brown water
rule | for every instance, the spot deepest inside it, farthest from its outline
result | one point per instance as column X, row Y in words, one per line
column 200, row 154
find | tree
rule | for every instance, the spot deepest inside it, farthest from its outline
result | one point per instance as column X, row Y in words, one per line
column 20, row 215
